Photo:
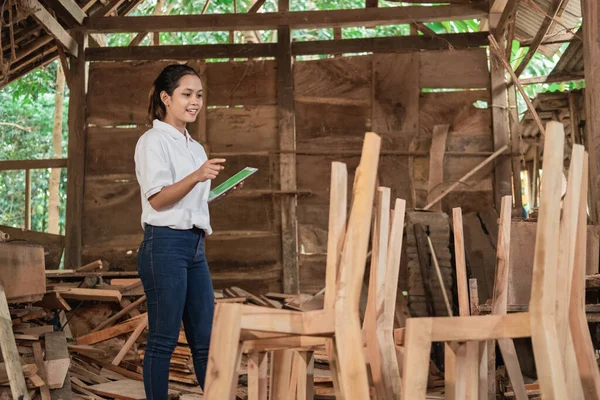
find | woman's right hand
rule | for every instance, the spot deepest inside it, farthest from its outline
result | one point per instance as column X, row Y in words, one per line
column 209, row 170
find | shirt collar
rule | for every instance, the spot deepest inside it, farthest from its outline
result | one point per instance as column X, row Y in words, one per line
column 170, row 129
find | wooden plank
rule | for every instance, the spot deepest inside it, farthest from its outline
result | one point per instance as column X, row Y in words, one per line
column 76, row 150
column 53, row 27
column 242, row 83
column 181, row 52
column 436, row 160
column 92, row 294
column 53, row 301
column 582, row 341
column 376, row 293
column 142, row 325
column 221, row 372
column 129, row 79
column 352, row 265
column 126, row 389
column 501, row 128
column 57, row 372
column 376, row 45
column 12, row 360
column 108, row 333
column 23, row 270
column 591, row 52
column 465, row 68
column 542, row 304
column 56, row 349
column 228, row 128
column 11, row 165
column 53, row 244
column 296, row 20
column 287, row 168
column 500, row 299
column 120, row 314
column 396, row 93
column 39, row 362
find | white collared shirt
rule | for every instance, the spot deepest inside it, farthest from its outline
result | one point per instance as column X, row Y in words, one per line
column 163, row 156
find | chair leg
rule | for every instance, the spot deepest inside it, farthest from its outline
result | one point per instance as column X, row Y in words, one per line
column 305, row 362
column 333, row 367
column 352, row 364
column 390, row 370
column 281, row 372
column 509, row 354
column 224, row 353
column 417, row 347
column 257, row 376
column 546, row 352
column 451, row 363
column 487, row 386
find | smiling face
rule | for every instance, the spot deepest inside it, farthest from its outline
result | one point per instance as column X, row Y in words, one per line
column 185, row 103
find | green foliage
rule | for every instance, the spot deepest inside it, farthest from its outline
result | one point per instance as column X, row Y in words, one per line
column 29, row 102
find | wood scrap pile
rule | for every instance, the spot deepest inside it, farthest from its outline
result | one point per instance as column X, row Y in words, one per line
column 85, row 338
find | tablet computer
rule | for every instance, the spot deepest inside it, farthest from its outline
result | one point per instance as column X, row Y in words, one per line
column 230, row 183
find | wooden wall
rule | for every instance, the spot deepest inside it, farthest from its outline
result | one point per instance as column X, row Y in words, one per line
column 337, row 101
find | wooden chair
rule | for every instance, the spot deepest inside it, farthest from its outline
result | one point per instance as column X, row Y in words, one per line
column 540, row 322
column 378, row 325
column 237, row 327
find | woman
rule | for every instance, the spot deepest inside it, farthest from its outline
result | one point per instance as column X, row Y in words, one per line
column 174, row 176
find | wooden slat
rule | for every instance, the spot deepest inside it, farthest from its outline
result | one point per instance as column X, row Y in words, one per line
column 11, row 357
column 109, row 333
column 375, row 45
column 56, row 349
column 76, row 163
column 245, row 129
column 396, row 93
column 436, row 160
column 242, row 83
column 591, row 53
column 22, row 273
column 296, row 20
column 543, row 302
column 466, row 68
column 132, row 81
column 287, row 168
column 10, row 165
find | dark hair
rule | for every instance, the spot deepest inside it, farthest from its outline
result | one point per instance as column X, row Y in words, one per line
column 167, row 81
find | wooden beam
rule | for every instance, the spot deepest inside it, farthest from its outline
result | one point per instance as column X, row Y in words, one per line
column 53, row 27
column 287, row 169
column 76, row 161
column 467, row 176
column 256, row 6
column 12, row 360
column 296, row 20
column 554, row 39
column 552, row 78
column 382, row 45
column 591, row 54
column 501, row 127
column 73, row 9
column 553, row 12
column 12, row 165
column 495, row 48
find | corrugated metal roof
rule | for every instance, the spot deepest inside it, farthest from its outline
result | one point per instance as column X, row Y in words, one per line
column 530, row 18
column 572, row 59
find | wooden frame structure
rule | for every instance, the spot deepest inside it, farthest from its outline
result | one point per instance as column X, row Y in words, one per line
column 234, row 323
column 541, row 322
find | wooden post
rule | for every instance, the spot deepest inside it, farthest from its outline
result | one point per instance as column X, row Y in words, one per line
column 591, row 54
column 515, row 141
column 287, row 173
column 28, row 199
column 502, row 172
column 76, row 161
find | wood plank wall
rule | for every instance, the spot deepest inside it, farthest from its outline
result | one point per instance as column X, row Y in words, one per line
column 336, row 102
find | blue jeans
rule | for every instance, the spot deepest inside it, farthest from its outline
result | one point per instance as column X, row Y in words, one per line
column 173, row 268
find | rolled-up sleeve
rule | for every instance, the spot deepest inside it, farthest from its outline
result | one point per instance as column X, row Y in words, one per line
column 151, row 165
